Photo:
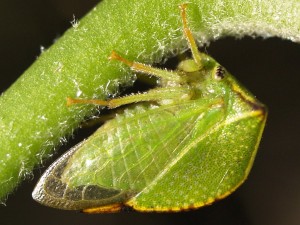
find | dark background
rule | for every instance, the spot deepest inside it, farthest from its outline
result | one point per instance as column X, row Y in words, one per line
column 269, row 68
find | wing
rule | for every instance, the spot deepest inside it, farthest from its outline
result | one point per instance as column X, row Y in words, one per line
column 130, row 150
column 125, row 155
column 51, row 191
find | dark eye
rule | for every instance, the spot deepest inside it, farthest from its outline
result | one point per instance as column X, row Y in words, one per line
column 220, row 73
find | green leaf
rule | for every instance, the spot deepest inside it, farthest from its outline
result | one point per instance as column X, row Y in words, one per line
column 33, row 113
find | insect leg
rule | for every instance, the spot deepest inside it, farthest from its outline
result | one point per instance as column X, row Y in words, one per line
column 147, row 69
column 156, row 94
column 72, row 101
column 189, row 37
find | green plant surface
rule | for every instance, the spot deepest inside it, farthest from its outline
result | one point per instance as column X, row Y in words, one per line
column 34, row 118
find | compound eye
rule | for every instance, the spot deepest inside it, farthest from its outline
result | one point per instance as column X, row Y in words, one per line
column 220, row 73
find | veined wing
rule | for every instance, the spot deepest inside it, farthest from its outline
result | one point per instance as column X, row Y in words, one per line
column 130, row 150
column 122, row 157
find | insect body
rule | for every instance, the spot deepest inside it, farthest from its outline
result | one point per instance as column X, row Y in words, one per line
column 182, row 145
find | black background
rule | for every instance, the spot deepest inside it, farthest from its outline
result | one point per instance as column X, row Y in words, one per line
column 269, row 68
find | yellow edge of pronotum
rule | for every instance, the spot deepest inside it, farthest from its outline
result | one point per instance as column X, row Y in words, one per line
column 183, row 208
column 237, row 89
column 265, row 114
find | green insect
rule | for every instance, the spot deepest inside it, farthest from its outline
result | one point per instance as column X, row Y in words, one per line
column 182, row 145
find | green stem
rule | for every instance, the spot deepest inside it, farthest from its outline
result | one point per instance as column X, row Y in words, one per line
column 34, row 118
